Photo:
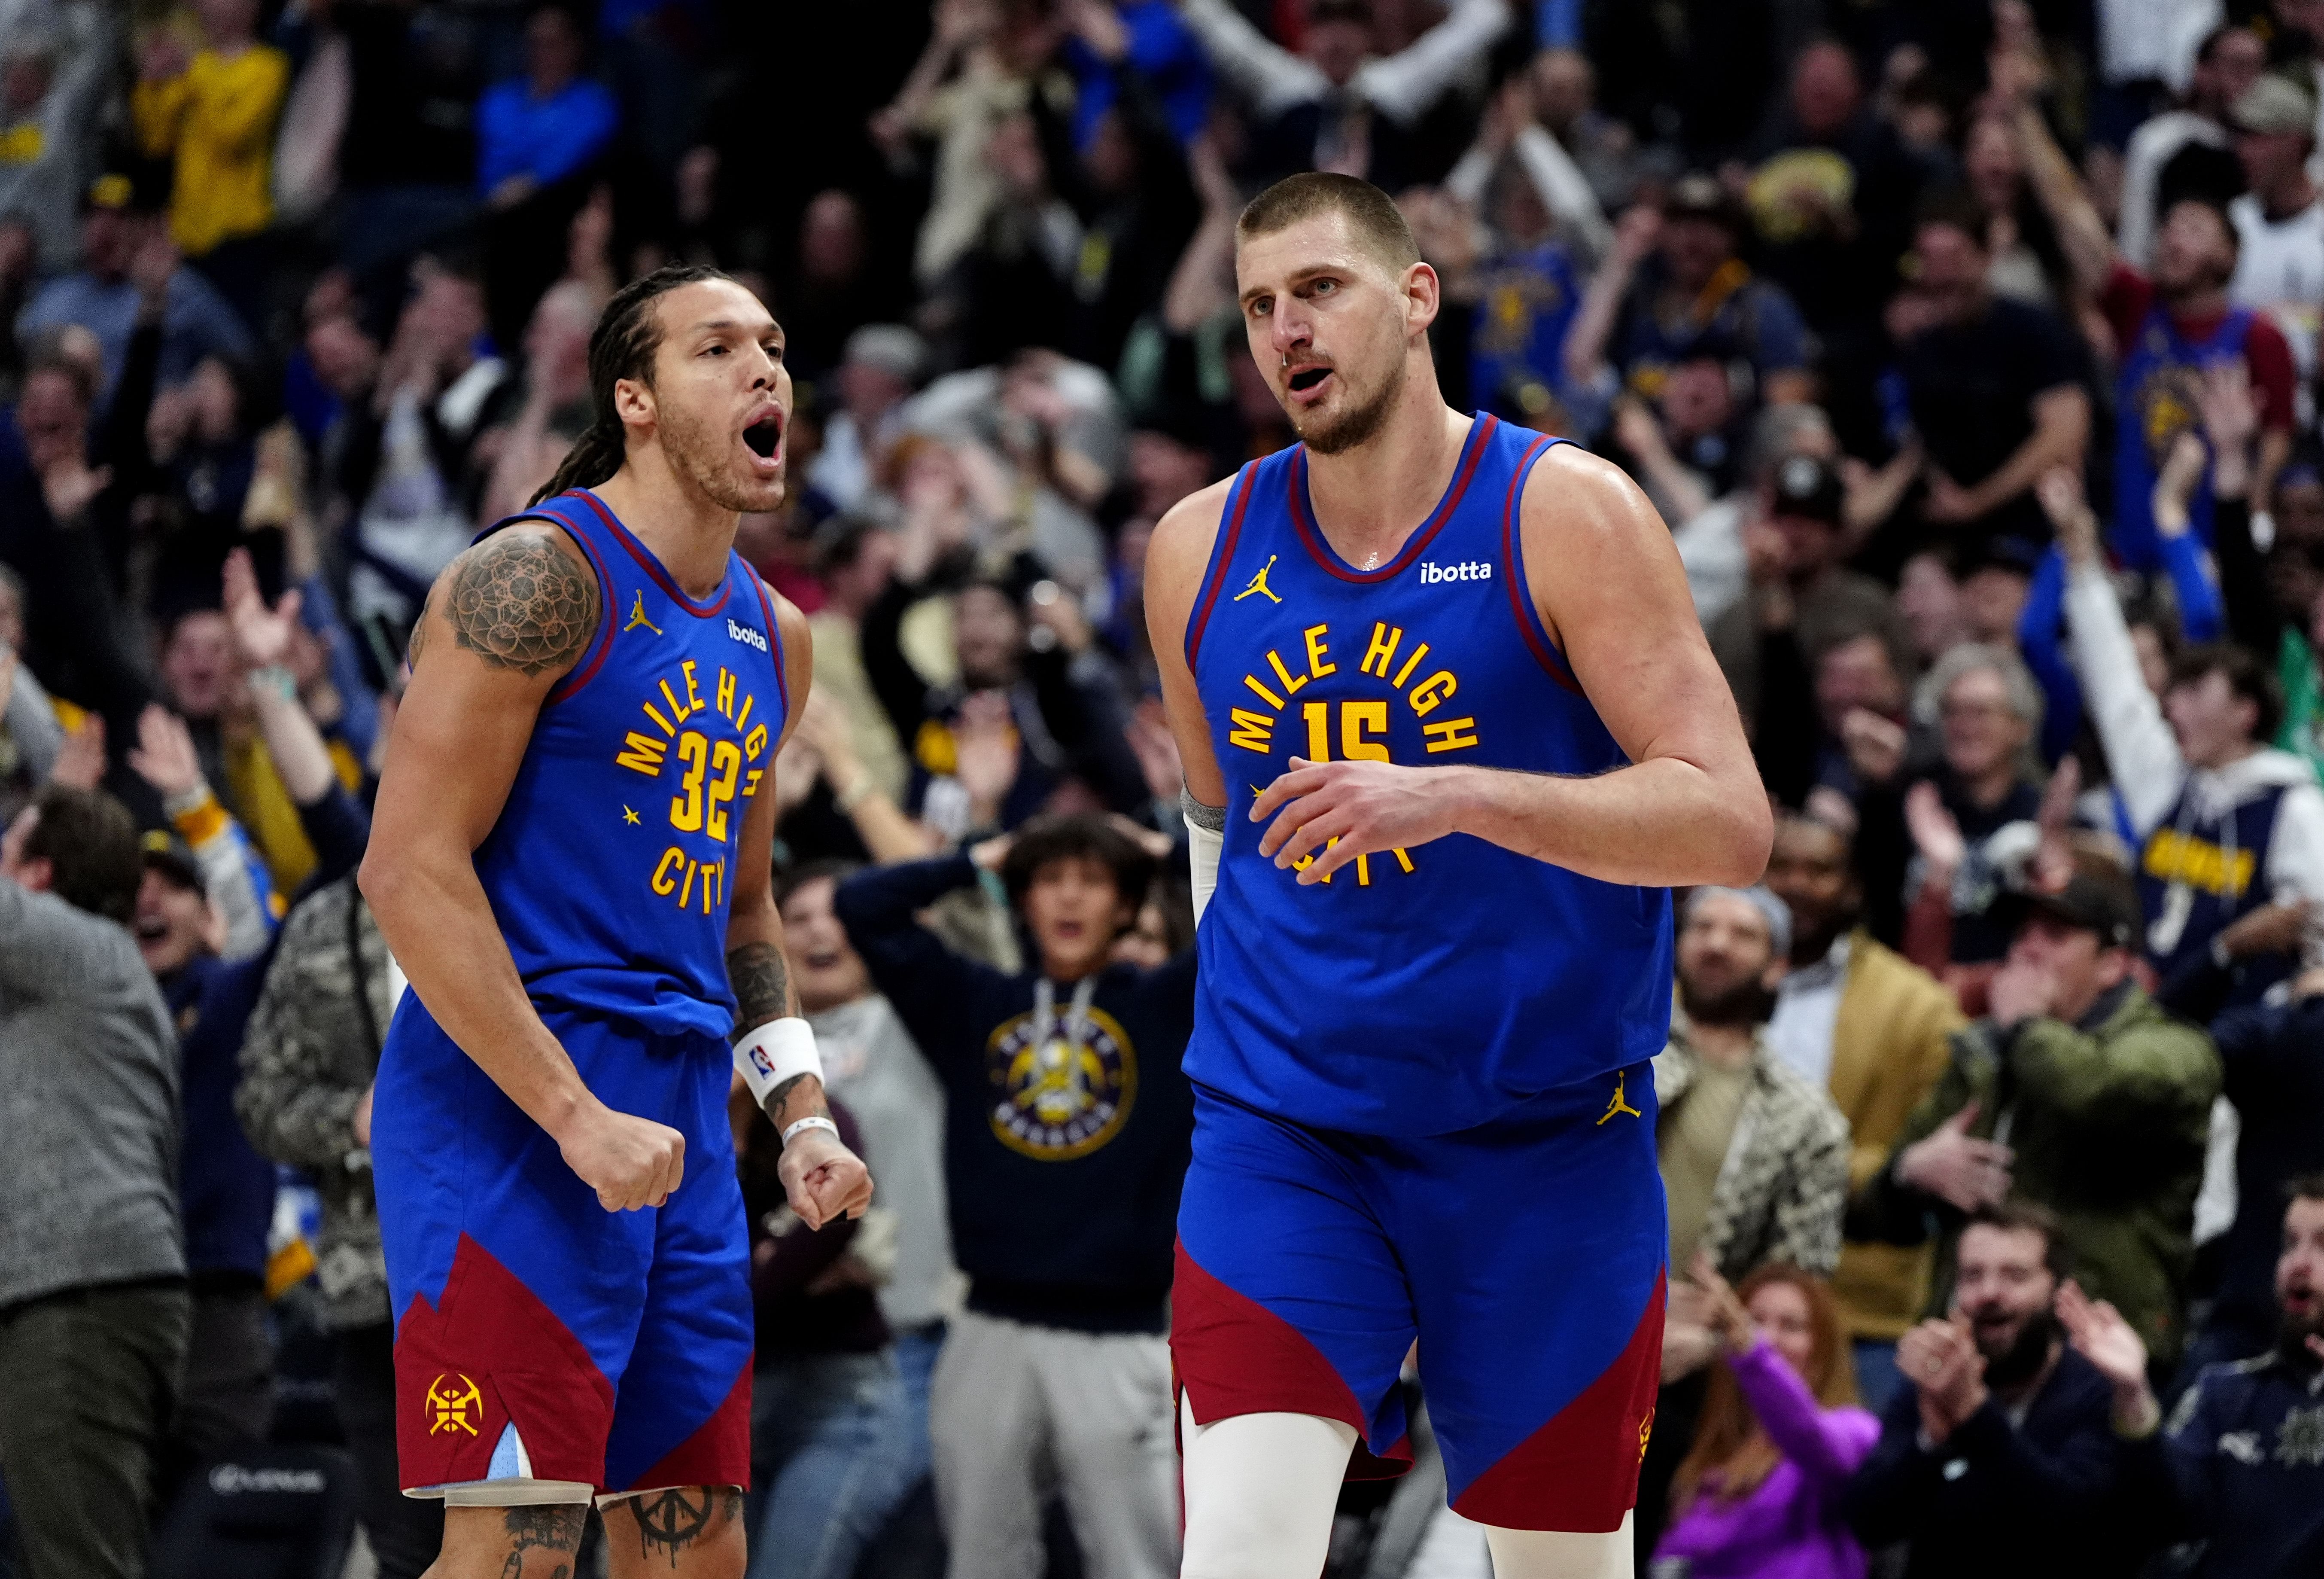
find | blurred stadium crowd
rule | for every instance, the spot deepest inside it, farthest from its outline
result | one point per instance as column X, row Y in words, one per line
column 1969, row 347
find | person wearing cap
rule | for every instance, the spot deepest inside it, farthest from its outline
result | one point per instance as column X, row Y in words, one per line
column 2187, row 152
column 105, row 296
column 2281, row 220
column 1802, row 601
column 94, row 1310
column 1672, row 288
column 1753, row 1155
column 2077, row 1093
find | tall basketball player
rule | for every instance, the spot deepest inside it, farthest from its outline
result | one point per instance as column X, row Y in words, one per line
column 1450, row 731
column 571, row 859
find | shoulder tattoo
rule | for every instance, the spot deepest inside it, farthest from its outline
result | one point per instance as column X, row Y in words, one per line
column 516, row 602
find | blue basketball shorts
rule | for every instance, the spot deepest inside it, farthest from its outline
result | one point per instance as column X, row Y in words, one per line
column 1525, row 1256
column 538, row 1336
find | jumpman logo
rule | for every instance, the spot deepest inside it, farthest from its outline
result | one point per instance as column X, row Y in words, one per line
column 638, row 615
column 1259, row 584
column 1619, row 1104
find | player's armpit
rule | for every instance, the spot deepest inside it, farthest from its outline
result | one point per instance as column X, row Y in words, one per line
column 1175, row 559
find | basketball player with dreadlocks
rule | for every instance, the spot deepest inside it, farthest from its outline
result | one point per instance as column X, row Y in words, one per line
column 572, row 862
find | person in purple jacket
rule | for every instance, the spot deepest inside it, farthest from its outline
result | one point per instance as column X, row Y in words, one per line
column 1758, row 1494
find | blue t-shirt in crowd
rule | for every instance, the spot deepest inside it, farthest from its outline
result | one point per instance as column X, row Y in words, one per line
column 1164, row 51
column 547, row 139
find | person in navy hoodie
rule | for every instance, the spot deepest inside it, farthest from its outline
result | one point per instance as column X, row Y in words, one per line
column 1066, row 1133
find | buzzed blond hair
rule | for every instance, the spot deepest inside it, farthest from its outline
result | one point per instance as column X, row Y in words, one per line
column 1371, row 213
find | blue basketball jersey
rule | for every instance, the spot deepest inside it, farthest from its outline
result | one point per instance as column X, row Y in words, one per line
column 611, row 864
column 1421, row 991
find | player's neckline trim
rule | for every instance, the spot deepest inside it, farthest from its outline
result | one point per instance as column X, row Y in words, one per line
column 652, row 565
column 1303, row 514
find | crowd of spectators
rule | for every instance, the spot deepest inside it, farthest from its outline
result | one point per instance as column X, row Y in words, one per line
column 1969, row 348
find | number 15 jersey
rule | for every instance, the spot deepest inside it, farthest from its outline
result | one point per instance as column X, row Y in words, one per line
column 611, row 864
column 1429, row 990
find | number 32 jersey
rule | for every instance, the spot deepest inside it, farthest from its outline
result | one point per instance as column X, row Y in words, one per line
column 1429, row 990
column 611, row 864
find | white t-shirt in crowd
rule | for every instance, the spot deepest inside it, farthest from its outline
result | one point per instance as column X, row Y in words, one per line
column 2280, row 270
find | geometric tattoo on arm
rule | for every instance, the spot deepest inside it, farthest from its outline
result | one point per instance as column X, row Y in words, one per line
column 518, row 603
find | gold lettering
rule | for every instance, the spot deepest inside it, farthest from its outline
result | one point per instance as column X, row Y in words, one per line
column 686, row 806
column 1448, row 736
column 677, row 711
column 726, row 690
column 1269, row 697
column 644, row 754
column 755, row 741
column 654, row 713
column 743, row 719
column 1250, row 730
column 1425, row 696
column 1316, row 664
column 1290, row 684
column 1410, row 664
column 1383, row 650
column 726, row 763
column 750, row 784
column 693, row 691
column 1363, row 872
column 685, row 893
column 1355, row 718
column 1318, row 731
column 1402, row 859
column 663, row 882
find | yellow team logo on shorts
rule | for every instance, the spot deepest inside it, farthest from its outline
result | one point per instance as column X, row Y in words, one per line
column 1645, row 1430
column 448, row 1407
column 1060, row 1099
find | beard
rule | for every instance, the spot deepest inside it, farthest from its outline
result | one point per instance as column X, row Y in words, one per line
column 1747, row 1002
column 2023, row 1360
column 2291, row 1340
column 1355, row 424
column 701, row 455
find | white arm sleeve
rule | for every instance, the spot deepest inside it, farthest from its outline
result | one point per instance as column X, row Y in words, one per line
column 1207, row 838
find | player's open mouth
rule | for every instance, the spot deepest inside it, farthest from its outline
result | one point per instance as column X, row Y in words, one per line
column 1307, row 379
column 764, row 436
column 152, row 929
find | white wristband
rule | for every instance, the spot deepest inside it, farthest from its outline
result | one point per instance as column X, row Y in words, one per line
column 774, row 1053
column 817, row 1123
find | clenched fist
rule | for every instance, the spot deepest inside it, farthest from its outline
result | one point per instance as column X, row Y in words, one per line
column 631, row 1162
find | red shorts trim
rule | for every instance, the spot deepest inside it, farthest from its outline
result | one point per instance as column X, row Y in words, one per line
column 1231, row 1356
column 491, row 1353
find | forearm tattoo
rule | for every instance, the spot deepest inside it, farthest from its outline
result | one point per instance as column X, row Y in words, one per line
column 549, row 1527
column 670, row 1521
column 518, row 603
column 761, row 983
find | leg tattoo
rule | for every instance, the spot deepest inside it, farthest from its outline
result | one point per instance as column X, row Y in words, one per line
column 670, row 1521
column 550, row 1527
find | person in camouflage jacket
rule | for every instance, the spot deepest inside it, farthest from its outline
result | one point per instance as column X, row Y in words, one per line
column 306, row 1067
